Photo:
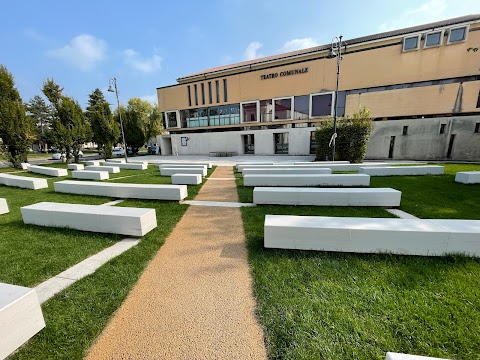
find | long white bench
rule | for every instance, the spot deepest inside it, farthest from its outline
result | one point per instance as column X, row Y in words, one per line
column 3, row 206
column 171, row 171
column 292, row 170
column 208, row 164
column 468, row 177
column 95, row 218
column 93, row 163
column 333, row 167
column 25, row 166
column 373, row 235
column 306, row 180
column 20, row 317
column 110, row 169
column 253, row 163
column 183, row 166
column 48, row 170
column 321, row 162
column 327, row 196
column 75, row 167
column 398, row 356
column 131, row 166
column 121, row 190
column 116, row 161
column 186, row 179
column 25, row 182
column 90, row 175
column 402, row 170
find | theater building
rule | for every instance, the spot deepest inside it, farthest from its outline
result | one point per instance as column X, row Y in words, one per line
column 421, row 85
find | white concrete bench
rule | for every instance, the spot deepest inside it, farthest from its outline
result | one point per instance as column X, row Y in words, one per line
column 320, row 162
column 468, row 177
column 75, row 167
column 292, row 170
column 3, row 206
column 93, row 163
column 327, row 196
column 110, row 169
column 333, row 167
column 25, row 166
column 121, row 190
column 90, row 175
column 95, row 218
column 398, row 356
column 130, row 165
column 373, row 235
column 117, row 161
column 186, row 179
column 402, row 170
column 23, row 181
column 20, row 317
column 252, row 163
column 172, row 171
column 48, row 170
column 183, row 166
column 306, row 180
column 207, row 164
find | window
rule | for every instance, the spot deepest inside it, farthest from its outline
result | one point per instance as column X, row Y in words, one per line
column 442, row 128
column 281, row 143
column 249, row 144
column 411, row 43
column 189, row 96
column 433, row 39
column 250, row 111
column 266, row 110
column 478, row 100
column 196, row 94
column 477, row 128
column 405, row 130
column 172, row 119
column 203, row 93
column 195, row 117
column 457, row 35
column 225, row 95
column 301, row 107
column 321, row 105
column 210, row 98
column 217, row 87
column 282, row 109
column 313, row 143
column 234, row 114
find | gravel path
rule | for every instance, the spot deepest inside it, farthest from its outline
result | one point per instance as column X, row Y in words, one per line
column 194, row 300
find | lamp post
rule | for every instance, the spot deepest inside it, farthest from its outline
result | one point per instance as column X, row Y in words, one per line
column 336, row 43
column 115, row 90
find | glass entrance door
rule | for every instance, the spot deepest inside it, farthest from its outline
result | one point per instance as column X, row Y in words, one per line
column 249, row 144
column 281, row 143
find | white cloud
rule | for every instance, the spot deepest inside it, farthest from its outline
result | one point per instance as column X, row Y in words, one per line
column 146, row 65
column 251, row 52
column 152, row 99
column 298, row 44
column 83, row 51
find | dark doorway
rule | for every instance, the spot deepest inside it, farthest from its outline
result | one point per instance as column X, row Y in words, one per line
column 249, row 144
column 392, row 146
column 450, row 146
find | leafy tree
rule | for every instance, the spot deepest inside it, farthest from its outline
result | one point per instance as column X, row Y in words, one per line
column 105, row 129
column 42, row 115
column 154, row 125
column 70, row 129
column 133, row 129
column 16, row 128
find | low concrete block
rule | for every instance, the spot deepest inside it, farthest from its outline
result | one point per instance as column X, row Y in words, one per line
column 123, row 191
column 23, row 181
column 90, row 175
column 468, row 177
column 20, row 317
column 48, row 170
column 25, row 166
column 253, row 163
column 207, row 164
column 402, row 170
column 3, row 206
column 75, row 167
column 320, row 162
column 116, row 161
column 398, row 356
column 172, row 171
column 385, row 197
column 130, row 165
column 306, row 180
column 109, row 169
column 93, row 163
column 292, row 170
column 186, row 179
column 182, row 166
column 332, row 166
column 94, row 218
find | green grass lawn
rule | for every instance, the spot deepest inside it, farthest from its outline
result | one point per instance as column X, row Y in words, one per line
column 325, row 305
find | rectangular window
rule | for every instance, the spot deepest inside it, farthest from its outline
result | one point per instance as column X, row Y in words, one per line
column 411, row 43
column 266, row 110
column 321, row 105
column 301, row 107
column 225, row 95
column 189, row 96
column 433, row 39
column 250, row 111
column 478, row 100
column 217, row 88
column 249, row 144
column 477, row 128
column 202, row 86
column 196, row 94
column 442, row 128
column 172, row 119
column 234, row 113
column 210, row 98
column 457, row 35
column 281, row 143
column 405, row 130
column 313, row 143
column 282, row 109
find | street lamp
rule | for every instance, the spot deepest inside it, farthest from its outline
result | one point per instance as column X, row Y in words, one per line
column 110, row 89
column 336, row 44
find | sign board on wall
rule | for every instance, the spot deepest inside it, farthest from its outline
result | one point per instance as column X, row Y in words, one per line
column 284, row 73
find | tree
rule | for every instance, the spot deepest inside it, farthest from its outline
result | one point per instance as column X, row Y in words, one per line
column 104, row 128
column 42, row 115
column 16, row 128
column 70, row 129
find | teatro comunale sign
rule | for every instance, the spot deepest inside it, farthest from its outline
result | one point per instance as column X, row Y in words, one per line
column 284, row 73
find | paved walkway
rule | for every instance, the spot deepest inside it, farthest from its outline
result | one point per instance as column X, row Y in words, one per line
column 194, row 300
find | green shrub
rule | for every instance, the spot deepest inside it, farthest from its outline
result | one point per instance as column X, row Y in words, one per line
column 352, row 137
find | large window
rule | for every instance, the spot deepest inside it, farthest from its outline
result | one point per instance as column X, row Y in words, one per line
column 281, row 143
column 196, row 94
column 313, row 143
column 250, row 111
column 195, row 117
column 210, row 98
column 411, row 43
column 457, row 34
column 266, row 110
column 433, row 39
column 282, row 109
column 189, row 96
column 225, row 94
column 321, row 105
column 249, row 144
column 202, row 86
column 172, row 119
column 234, row 114
column 301, row 107
column 217, row 88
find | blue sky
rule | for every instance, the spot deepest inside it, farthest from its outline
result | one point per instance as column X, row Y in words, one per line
column 147, row 44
